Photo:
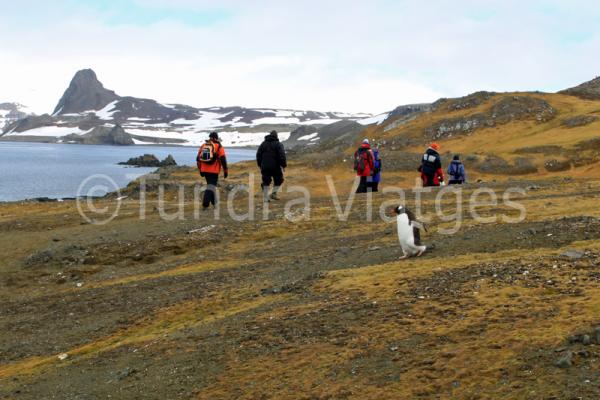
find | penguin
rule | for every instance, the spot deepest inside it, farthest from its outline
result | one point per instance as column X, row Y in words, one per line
column 409, row 233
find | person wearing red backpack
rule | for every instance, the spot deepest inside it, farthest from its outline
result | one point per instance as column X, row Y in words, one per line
column 364, row 165
column 431, row 167
column 210, row 160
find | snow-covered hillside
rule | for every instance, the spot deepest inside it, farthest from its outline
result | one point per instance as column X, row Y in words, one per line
column 87, row 109
column 11, row 112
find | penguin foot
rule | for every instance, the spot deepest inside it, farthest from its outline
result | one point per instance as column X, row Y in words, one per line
column 404, row 257
column 419, row 254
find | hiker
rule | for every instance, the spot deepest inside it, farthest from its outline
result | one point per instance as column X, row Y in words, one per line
column 364, row 165
column 373, row 181
column 457, row 173
column 272, row 162
column 431, row 167
column 210, row 160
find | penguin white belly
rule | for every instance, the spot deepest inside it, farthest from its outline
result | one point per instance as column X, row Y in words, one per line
column 406, row 236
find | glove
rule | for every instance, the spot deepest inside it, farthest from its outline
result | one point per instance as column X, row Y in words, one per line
column 226, row 173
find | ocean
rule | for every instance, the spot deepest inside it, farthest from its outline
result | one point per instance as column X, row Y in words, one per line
column 33, row 170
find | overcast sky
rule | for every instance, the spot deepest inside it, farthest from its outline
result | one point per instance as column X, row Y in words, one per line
column 338, row 55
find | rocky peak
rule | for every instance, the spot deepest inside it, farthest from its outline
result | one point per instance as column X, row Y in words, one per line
column 589, row 90
column 84, row 93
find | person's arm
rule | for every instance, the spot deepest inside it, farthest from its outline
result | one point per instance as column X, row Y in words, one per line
column 259, row 154
column 282, row 157
column 223, row 160
column 464, row 173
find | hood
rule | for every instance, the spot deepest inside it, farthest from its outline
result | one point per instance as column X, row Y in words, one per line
column 271, row 138
column 365, row 146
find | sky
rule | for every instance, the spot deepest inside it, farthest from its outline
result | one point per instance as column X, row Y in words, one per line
column 326, row 55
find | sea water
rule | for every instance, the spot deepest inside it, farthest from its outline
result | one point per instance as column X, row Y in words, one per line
column 32, row 170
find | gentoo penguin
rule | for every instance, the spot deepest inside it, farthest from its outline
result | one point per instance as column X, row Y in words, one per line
column 409, row 234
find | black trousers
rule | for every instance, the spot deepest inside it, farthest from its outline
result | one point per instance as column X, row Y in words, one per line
column 374, row 186
column 363, row 185
column 455, row 182
column 209, row 193
column 275, row 175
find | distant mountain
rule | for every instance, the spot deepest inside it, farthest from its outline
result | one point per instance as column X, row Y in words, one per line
column 11, row 112
column 589, row 90
column 85, row 93
column 87, row 113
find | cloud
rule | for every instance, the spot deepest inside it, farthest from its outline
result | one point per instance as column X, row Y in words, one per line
column 324, row 55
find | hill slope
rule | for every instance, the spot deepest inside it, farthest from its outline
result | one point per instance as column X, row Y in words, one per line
column 500, row 133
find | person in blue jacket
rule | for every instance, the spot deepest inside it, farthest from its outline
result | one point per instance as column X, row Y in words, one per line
column 373, row 180
column 456, row 171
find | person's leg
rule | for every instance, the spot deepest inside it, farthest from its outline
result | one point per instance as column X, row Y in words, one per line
column 375, row 186
column 266, row 183
column 428, row 180
column 277, row 182
column 362, row 186
column 209, row 193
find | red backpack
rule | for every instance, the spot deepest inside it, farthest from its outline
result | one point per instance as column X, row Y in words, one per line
column 361, row 160
column 207, row 153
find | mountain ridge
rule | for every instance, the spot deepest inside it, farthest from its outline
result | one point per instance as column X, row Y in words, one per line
column 86, row 106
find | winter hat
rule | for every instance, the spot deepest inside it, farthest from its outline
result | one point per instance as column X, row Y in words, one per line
column 456, row 157
column 435, row 146
column 214, row 135
column 273, row 133
column 366, row 141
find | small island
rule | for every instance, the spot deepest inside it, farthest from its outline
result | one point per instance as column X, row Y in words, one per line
column 150, row 160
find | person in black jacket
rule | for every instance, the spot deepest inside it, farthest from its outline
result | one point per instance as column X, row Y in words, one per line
column 431, row 167
column 271, row 160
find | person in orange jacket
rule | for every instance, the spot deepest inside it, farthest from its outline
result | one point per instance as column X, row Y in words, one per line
column 210, row 160
column 431, row 167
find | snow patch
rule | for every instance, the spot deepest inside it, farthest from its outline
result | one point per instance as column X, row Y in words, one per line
column 53, row 131
column 377, row 119
column 107, row 112
column 309, row 137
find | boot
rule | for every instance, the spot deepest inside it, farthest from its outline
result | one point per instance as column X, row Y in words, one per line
column 265, row 194
column 274, row 193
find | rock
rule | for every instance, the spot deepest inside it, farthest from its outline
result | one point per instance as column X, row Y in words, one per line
column 126, row 373
column 564, row 361
column 588, row 90
column 573, row 254
column 42, row 257
column 103, row 134
column 557, row 165
column 596, row 335
column 580, row 120
column 344, row 250
column 168, row 162
column 583, row 354
column 586, row 340
column 63, row 356
column 374, row 248
column 147, row 160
